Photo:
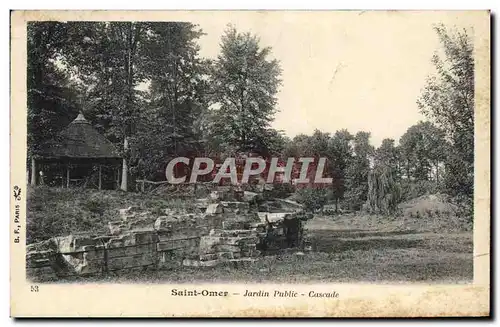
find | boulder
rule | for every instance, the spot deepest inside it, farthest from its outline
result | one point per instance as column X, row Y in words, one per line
column 164, row 223
column 207, row 244
column 215, row 196
column 233, row 206
column 250, row 196
column 125, row 214
column 46, row 245
column 214, row 208
column 73, row 243
column 115, row 227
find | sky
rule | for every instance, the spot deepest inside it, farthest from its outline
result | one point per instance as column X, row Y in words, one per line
column 362, row 71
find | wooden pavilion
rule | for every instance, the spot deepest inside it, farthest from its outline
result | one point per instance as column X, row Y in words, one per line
column 78, row 156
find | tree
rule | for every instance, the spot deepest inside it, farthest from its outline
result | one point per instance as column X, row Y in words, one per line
column 423, row 149
column 312, row 198
column 384, row 190
column 51, row 95
column 105, row 58
column 177, row 94
column 340, row 154
column 299, row 146
column 358, row 170
column 245, row 83
column 448, row 99
column 387, row 153
column 141, row 84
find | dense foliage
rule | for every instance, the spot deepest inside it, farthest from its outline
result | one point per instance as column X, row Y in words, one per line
column 146, row 88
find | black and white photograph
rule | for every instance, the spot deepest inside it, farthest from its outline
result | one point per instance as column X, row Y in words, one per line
column 262, row 148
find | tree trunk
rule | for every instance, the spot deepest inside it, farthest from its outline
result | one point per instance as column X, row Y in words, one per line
column 123, row 186
column 33, row 171
column 67, row 175
column 437, row 173
column 100, row 177
column 408, row 170
column 127, row 127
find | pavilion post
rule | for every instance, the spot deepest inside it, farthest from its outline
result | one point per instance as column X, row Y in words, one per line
column 118, row 177
column 100, row 175
column 67, row 175
column 33, row 171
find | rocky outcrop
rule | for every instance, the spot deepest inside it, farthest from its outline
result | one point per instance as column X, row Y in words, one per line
column 227, row 233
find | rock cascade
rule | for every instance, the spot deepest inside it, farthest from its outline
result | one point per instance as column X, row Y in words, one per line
column 228, row 232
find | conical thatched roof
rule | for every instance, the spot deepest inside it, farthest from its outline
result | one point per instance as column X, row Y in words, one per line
column 79, row 140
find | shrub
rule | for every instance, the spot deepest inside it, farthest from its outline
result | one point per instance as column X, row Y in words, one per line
column 96, row 205
column 313, row 198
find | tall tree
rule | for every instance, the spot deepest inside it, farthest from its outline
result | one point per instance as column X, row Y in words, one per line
column 51, row 94
column 448, row 99
column 358, row 170
column 340, row 154
column 384, row 190
column 423, row 149
column 177, row 94
column 105, row 58
column 387, row 153
column 245, row 83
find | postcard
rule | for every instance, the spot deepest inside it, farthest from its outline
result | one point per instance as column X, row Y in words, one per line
column 250, row 164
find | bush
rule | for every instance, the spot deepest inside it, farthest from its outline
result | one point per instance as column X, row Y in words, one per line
column 313, row 198
column 414, row 189
column 465, row 207
column 282, row 190
column 96, row 205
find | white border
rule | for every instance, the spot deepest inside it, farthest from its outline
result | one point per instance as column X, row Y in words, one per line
column 188, row 4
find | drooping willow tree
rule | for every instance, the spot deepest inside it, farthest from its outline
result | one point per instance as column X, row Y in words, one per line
column 384, row 193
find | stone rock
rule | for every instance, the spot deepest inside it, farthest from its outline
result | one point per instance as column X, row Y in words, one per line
column 140, row 260
column 169, row 260
column 198, row 263
column 250, row 196
column 37, row 259
column 144, row 237
column 231, row 233
column 115, row 227
column 125, row 214
column 215, row 196
column 202, row 203
column 73, row 243
column 214, row 208
column 226, row 248
column 240, row 263
column 230, row 224
column 273, row 217
column 121, row 241
column 164, row 223
column 207, row 244
column 49, row 244
column 78, row 266
column 225, row 255
column 290, row 205
column 179, row 243
column 233, row 206
column 208, row 257
column 213, row 221
column 168, row 211
column 141, row 223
